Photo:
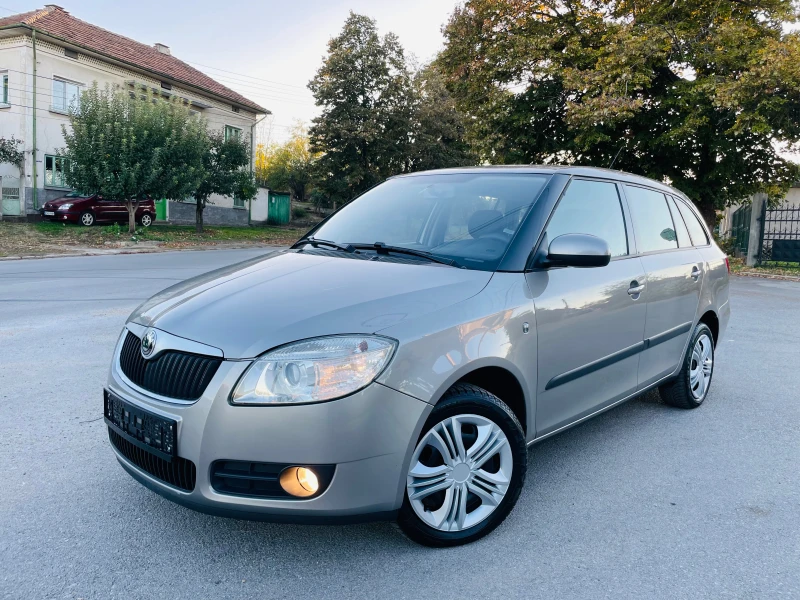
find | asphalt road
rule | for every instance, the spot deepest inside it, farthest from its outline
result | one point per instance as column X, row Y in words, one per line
column 644, row 501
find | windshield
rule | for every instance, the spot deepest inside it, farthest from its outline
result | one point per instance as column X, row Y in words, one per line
column 468, row 217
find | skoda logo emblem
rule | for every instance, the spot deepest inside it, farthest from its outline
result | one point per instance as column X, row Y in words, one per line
column 149, row 343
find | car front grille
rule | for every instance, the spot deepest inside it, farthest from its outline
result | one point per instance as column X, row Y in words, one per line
column 172, row 374
column 179, row 472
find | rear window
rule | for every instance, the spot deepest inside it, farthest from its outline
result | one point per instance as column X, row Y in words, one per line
column 696, row 230
column 652, row 221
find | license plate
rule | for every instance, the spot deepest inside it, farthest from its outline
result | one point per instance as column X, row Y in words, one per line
column 49, row 213
column 142, row 428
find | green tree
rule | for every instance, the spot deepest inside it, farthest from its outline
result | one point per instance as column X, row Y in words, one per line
column 224, row 173
column 698, row 93
column 126, row 148
column 287, row 166
column 439, row 127
column 10, row 152
column 364, row 88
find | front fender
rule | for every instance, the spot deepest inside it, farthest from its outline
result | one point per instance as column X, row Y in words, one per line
column 438, row 349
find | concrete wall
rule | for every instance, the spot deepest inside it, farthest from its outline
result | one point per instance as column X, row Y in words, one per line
column 16, row 58
column 260, row 210
column 184, row 213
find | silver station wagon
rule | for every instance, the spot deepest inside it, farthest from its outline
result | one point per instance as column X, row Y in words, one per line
column 398, row 361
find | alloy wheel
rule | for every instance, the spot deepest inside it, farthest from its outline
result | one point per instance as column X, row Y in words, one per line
column 460, row 472
column 146, row 220
column 87, row 219
column 701, row 367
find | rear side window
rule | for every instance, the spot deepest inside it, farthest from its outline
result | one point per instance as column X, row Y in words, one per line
column 591, row 207
column 652, row 220
column 696, row 230
column 684, row 241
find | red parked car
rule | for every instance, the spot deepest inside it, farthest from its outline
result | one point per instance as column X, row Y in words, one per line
column 88, row 210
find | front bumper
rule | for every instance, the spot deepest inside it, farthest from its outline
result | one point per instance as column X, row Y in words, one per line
column 60, row 216
column 368, row 436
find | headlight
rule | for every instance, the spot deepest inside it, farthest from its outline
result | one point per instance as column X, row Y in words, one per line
column 66, row 206
column 314, row 370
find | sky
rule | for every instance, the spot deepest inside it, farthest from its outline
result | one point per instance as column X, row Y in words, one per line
column 267, row 51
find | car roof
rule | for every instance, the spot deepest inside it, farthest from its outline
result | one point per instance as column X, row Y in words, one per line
column 553, row 169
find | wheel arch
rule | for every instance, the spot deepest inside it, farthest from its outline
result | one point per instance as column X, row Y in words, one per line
column 499, row 379
column 711, row 319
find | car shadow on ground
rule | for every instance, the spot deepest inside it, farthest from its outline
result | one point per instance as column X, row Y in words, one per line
column 551, row 463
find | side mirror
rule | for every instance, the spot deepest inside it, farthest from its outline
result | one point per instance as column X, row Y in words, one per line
column 578, row 250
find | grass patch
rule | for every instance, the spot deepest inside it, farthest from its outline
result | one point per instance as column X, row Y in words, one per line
column 30, row 239
column 790, row 269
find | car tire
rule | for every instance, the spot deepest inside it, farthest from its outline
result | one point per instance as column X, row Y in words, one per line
column 690, row 388
column 146, row 220
column 87, row 218
column 497, row 474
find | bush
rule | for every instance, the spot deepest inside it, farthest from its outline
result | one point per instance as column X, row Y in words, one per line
column 298, row 212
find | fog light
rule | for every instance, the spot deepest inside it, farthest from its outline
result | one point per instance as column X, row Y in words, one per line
column 299, row 481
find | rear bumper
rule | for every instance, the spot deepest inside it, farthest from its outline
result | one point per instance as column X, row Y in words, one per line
column 368, row 436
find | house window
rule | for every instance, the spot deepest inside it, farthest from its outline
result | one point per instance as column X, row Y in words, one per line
column 65, row 95
column 232, row 133
column 55, row 170
column 4, row 89
column 238, row 202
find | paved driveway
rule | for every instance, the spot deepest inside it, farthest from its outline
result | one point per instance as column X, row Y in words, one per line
column 643, row 501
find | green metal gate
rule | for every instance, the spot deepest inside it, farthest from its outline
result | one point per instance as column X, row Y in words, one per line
column 740, row 228
column 280, row 207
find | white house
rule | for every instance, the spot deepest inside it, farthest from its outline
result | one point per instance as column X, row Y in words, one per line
column 47, row 56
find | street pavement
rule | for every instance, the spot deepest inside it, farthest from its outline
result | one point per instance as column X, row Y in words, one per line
column 644, row 501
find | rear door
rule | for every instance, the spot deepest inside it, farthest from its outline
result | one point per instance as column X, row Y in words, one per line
column 674, row 278
column 589, row 322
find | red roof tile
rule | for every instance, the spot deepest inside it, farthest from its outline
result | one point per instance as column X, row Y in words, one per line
column 57, row 22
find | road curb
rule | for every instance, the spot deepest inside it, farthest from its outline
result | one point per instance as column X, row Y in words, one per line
column 768, row 276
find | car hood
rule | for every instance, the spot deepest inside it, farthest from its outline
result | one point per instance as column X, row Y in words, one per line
column 59, row 201
column 249, row 308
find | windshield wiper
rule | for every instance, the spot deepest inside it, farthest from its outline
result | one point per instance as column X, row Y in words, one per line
column 315, row 242
column 382, row 248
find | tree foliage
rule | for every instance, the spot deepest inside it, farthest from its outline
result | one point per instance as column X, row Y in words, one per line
column 699, row 93
column 438, row 128
column 224, row 173
column 126, row 148
column 10, row 152
column 378, row 119
column 287, row 166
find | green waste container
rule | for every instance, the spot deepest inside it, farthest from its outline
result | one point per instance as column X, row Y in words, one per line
column 161, row 210
column 280, row 207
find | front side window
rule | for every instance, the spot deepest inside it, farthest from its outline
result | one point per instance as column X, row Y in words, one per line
column 66, row 94
column 470, row 218
column 652, row 220
column 3, row 88
column 232, row 133
column 591, row 207
column 696, row 230
column 55, row 168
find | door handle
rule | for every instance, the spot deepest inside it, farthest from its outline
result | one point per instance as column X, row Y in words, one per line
column 635, row 289
column 695, row 273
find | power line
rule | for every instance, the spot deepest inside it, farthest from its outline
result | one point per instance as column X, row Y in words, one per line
column 248, row 76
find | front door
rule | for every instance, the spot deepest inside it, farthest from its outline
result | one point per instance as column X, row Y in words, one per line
column 674, row 278
column 589, row 322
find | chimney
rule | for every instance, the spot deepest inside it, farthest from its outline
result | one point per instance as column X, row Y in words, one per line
column 162, row 48
column 55, row 7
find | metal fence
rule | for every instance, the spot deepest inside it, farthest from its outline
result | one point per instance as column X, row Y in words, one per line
column 740, row 229
column 780, row 235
